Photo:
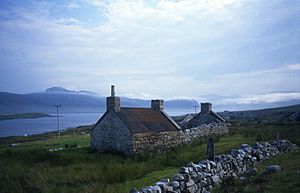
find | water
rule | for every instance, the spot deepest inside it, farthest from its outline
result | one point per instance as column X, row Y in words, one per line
column 19, row 127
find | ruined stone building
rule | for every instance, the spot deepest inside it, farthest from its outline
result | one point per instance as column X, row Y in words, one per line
column 141, row 130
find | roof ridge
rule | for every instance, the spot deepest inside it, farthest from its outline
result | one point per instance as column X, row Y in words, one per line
column 136, row 108
column 170, row 119
column 217, row 116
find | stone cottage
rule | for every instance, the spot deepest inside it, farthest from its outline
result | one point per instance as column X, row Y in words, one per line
column 206, row 116
column 205, row 123
column 141, row 130
column 134, row 130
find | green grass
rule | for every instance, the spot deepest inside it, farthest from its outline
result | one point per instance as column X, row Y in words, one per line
column 287, row 180
column 266, row 132
column 31, row 167
column 47, row 136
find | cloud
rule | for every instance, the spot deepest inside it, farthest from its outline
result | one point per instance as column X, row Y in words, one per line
column 73, row 6
column 69, row 20
column 246, row 83
column 97, row 3
column 166, row 48
column 178, row 11
column 294, row 66
column 263, row 98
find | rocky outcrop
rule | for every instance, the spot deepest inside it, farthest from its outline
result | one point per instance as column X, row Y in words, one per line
column 203, row 176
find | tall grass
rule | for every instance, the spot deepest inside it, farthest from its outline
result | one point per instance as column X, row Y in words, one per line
column 266, row 132
column 31, row 168
column 287, row 180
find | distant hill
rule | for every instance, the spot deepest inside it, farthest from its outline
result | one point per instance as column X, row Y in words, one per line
column 75, row 101
column 87, row 101
column 279, row 115
column 66, row 91
column 240, row 103
column 272, row 115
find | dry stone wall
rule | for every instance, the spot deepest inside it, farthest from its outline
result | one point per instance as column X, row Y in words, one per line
column 156, row 142
column 201, row 177
column 203, row 131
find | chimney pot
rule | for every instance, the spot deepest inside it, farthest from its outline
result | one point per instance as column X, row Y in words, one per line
column 112, row 91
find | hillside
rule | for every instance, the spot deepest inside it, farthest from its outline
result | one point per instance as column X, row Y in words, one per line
column 242, row 103
column 74, row 101
column 288, row 114
column 281, row 115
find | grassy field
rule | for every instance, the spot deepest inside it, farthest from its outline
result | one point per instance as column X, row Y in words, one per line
column 288, row 180
column 264, row 132
column 34, row 166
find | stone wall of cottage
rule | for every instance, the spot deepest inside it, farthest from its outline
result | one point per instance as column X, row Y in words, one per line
column 156, row 142
column 203, row 131
column 111, row 135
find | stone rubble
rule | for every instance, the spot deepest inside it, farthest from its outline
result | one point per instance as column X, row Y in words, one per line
column 201, row 177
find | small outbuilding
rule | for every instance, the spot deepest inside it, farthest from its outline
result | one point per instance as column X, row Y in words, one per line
column 205, row 123
column 205, row 117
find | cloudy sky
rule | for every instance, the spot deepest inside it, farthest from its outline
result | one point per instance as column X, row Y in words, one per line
column 153, row 48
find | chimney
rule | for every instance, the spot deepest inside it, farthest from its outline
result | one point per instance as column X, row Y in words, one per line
column 206, row 107
column 157, row 104
column 113, row 102
column 112, row 91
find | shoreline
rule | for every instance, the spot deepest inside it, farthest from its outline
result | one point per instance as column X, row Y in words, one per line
column 82, row 130
column 4, row 117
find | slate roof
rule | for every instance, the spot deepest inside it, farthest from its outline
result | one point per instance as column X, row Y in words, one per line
column 142, row 120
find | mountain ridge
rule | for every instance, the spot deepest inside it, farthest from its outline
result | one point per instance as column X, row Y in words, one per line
column 87, row 101
column 74, row 101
